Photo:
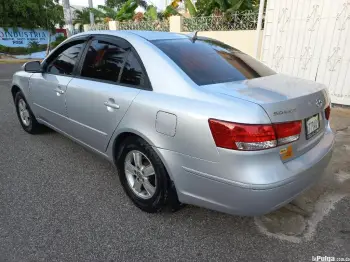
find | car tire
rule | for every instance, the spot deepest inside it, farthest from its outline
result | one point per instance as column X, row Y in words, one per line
column 161, row 182
column 26, row 116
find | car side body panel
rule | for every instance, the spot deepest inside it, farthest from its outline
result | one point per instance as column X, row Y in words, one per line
column 48, row 99
column 206, row 184
column 90, row 109
column 193, row 136
column 21, row 80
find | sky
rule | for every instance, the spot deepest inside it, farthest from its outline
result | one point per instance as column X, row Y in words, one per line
column 159, row 3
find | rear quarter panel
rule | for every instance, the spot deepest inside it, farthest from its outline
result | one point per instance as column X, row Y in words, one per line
column 192, row 135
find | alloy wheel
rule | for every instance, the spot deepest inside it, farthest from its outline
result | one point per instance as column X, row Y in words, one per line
column 24, row 112
column 140, row 174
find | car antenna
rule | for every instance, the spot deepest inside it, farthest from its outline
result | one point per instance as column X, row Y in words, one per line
column 194, row 36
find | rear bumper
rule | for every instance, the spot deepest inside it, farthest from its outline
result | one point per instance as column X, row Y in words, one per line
column 215, row 191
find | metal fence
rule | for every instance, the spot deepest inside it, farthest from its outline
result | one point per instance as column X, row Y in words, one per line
column 145, row 25
column 99, row 27
column 235, row 21
column 75, row 31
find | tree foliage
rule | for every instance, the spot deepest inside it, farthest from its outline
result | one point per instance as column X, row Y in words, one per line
column 104, row 13
column 209, row 7
column 142, row 3
column 115, row 3
column 31, row 14
column 190, row 7
column 127, row 10
column 59, row 39
column 171, row 9
column 82, row 17
column 119, row 3
column 205, row 7
column 151, row 13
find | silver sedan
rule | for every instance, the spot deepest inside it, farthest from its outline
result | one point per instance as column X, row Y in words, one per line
column 185, row 119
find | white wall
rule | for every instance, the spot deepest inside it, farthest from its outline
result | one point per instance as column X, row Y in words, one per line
column 243, row 40
column 310, row 39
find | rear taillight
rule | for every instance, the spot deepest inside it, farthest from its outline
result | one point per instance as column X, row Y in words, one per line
column 253, row 137
column 241, row 136
column 287, row 132
column 327, row 112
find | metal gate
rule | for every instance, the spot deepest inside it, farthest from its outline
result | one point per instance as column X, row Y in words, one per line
column 310, row 39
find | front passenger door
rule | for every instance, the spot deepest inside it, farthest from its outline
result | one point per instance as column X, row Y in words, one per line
column 48, row 89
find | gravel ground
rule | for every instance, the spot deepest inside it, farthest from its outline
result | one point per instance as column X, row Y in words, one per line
column 59, row 202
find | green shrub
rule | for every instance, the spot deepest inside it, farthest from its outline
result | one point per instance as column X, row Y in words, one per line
column 59, row 39
column 13, row 50
column 32, row 48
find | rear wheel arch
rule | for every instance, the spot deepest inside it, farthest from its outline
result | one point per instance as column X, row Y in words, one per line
column 119, row 141
column 118, row 146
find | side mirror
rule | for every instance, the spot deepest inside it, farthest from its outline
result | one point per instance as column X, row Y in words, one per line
column 32, row 67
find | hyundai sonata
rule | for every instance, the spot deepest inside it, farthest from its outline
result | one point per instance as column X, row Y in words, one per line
column 185, row 119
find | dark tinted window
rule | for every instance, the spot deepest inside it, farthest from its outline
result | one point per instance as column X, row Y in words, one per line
column 103, row 61
column 64, row 63
column 208, row 61
column 132, row 72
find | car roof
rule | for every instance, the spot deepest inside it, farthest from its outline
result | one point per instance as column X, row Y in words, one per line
column 148, row 35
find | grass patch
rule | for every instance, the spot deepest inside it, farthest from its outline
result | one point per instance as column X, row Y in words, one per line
column 16, row 61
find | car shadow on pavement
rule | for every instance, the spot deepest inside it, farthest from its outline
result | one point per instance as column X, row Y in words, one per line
column 298, row 220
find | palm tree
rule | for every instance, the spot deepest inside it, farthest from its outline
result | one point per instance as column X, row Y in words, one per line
column 104, row 12
column 115, row 3
column 82, row 17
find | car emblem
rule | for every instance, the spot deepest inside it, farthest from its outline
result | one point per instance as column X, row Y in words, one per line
column 319, row 103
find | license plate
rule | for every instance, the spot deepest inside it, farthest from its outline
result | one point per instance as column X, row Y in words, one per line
column 312, row 126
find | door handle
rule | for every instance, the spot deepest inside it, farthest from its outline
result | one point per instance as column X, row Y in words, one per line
column 59, row 91
column 111, row 104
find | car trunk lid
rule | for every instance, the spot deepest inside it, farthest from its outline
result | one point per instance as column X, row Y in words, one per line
column 284, row 99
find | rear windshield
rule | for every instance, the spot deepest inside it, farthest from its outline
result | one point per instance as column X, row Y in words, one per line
column 208, row 61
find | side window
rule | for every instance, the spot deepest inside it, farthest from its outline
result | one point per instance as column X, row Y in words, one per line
column 132, row 73
column 64, row 63
column 103, row 61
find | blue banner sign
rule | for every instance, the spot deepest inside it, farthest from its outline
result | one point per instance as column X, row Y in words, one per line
column 22, row 37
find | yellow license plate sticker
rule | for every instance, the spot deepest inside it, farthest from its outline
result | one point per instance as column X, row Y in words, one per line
column 286, row 152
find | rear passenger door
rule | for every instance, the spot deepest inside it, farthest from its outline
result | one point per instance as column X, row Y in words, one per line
column 110, row 78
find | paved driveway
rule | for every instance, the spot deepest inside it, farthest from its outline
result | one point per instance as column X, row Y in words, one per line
column 59, row 202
